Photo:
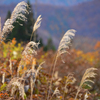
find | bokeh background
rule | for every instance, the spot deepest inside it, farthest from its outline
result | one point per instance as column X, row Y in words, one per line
column 61, row 15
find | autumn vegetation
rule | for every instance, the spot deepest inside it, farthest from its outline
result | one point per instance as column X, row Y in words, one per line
column 27, row 72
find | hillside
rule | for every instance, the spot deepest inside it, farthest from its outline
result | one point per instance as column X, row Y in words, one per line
column 58, row 19
column 52, row 2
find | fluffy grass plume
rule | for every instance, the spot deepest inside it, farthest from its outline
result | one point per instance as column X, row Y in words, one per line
column 18, row 13
column 89, row 73
column 36, row 25
column 66, row 41
column 64, row 44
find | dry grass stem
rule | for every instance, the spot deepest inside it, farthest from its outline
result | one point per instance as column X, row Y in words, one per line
column 33, row 73
column 10, row 66
column 63, row 45
column 56, row 91
column 3, row 78
column 86, row 96
column 70, row 80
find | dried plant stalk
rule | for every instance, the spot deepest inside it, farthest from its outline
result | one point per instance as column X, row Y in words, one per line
column 3, row 78
column 32, row 73
column 56, row 92
column 89, row 73
column 31, row 81
column 63, row 45
column 70, row 80
column 10, row 66
column 34, row 76
column 19, row 13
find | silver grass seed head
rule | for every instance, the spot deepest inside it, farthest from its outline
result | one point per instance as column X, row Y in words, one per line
column 66, row 41
column 37, row 23
column 19, row 12
column 31, row 47
column 89, row 73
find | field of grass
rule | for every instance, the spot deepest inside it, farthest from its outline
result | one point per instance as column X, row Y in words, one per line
column 29, row 73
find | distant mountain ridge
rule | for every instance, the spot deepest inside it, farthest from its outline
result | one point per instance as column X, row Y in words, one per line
column 52, row 2
column 84, row 18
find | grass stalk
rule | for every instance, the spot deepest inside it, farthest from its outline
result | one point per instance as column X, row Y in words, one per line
column 52, row 77
column 31, row 81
